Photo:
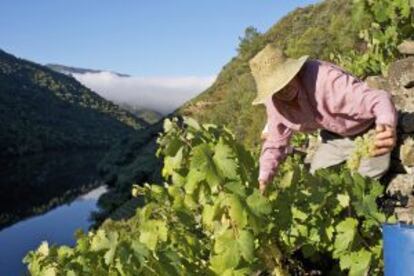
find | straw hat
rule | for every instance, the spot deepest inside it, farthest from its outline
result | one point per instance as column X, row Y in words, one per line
column 272, row 71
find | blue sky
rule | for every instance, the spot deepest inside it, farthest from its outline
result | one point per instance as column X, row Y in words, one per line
column 140, row 38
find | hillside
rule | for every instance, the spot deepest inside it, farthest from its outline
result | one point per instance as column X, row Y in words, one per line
column 208, row 217
column 149, row 116
column 317, row 30
column 45, row 110
column 121, row 89
column 228, row 100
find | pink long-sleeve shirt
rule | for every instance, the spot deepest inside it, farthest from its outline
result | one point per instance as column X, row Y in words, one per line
column 329, row 98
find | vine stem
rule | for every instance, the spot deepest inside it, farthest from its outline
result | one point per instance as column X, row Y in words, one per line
column 277, row 257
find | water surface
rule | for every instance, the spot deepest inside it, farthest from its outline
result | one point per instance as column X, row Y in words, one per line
column 56, row 226
column 45, row 197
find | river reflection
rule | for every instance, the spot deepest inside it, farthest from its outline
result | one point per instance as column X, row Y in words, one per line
column 32, row 185
column 56, row 226
column 45, row 197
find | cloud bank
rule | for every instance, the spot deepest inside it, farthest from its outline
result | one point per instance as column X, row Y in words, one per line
column 162, row 94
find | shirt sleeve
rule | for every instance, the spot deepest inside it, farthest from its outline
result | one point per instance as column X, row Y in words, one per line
column 275, row 146
column 353, row 97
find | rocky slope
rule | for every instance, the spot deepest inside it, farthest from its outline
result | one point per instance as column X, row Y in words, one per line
column 400, row 179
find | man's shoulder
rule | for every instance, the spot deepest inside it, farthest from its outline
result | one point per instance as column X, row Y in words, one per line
column 320, row 71
column 314, row 67
column 325, row 66
column 317, row 64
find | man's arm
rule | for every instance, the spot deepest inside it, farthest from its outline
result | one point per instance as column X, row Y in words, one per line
column 274, row 147
column 356, row 99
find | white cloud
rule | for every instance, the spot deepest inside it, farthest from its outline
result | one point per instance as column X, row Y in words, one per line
column 162, row 94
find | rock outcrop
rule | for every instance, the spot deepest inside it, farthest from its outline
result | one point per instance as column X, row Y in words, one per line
column 406, row 47
column 400, row 178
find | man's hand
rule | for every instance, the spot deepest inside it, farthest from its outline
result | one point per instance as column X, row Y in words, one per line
column 262, row 186
column 385, row 139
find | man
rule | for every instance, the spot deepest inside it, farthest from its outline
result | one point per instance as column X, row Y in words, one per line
column 306, row 95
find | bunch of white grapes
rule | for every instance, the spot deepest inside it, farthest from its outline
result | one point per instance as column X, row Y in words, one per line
column 364, row 148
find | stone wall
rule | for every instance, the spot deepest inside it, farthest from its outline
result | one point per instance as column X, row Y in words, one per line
column 400, row 178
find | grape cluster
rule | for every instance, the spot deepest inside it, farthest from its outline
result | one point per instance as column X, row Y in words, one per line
column 364, row 148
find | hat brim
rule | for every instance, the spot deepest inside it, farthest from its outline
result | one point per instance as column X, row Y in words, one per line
column 287, row 74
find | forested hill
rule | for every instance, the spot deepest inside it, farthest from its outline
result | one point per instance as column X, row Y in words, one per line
column 328, row 30
column 44, row 110
column 316, row 30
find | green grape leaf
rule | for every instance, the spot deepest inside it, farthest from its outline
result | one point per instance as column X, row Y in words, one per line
column 258, row 204
column 225, row 241
column 172, row 163
column 298, row 214
column 330, row 230
column 358, row 263
column 286, row 179
column 224, row 159
column 236, row 188
column 168, row 125
column 82, row 243
column 358, row 186
column 105, row 240
column 193, row 180
column 153, row 231
column 44, row 248
column 140, row 251
column 343, row 200
column 71, row 273
column 246, row 245
column 243, row 244
column 314, row 235
column 189, row 202
column 367, row 207
column 109, row 255
column 238, row 272
column 64, row 252
column 209, row 213
column 50, row 271
column 100, row 241
column 227, row 260
column 227, row 252
column 172, row 147
column 237, row 210
column 202, row 161
column 192, row 123
column 346, row 231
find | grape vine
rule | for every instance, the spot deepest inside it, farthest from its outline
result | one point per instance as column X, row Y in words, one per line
column 209, row 218
column 391, row 22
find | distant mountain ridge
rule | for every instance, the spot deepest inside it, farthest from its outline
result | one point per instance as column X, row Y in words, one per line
column 42, row 110
column 161, row 94
column 70, row 70
column 148, row 115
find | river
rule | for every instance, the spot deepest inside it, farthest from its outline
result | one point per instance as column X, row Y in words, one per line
column 45, row 197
